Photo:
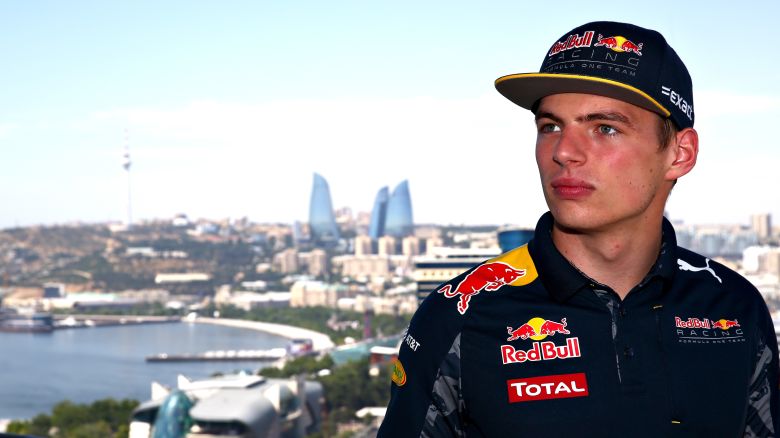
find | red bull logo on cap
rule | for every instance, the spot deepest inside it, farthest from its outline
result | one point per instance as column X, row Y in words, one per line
column 618, row 44
column 488, row 276
column 696, row 323
column 574, row 41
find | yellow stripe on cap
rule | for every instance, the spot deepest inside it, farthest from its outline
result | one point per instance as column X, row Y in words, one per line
column 660, row 107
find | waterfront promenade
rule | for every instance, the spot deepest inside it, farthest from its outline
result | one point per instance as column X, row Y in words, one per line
column 320, row 341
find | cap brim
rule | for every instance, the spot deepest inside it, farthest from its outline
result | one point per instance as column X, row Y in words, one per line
column 527, row 88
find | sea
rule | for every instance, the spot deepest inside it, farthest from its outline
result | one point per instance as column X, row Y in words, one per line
column 83, row 365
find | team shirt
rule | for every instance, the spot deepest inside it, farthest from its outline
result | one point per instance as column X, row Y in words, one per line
column 525, row 344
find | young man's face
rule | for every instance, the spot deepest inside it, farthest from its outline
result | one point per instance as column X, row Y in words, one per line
column 600, row 161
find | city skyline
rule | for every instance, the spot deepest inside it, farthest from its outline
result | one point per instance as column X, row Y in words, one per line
column 229, row 109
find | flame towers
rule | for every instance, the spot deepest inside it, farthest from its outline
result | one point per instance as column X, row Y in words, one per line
column 376, row 227
column 392, row 214
column 321, row 219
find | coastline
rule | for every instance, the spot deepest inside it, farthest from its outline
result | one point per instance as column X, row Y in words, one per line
column 320, row 341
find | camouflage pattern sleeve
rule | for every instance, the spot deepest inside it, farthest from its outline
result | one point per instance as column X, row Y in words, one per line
column 426, row 396
column 445, row 413
column 421, row 407
column 763, row 413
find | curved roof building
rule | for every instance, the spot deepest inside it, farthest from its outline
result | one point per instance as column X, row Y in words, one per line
column 398, row 221
column 321, row 220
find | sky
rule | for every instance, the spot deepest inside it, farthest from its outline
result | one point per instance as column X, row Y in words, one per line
column 229, row 107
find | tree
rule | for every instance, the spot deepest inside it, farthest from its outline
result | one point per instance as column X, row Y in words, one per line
column 103, row 418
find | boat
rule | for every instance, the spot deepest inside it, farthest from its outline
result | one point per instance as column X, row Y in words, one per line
column 26, row 321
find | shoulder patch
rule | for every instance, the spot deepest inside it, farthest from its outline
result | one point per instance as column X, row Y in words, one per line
column 514, row 268
column 519, row 258
column 488, row 276
column 397, row 373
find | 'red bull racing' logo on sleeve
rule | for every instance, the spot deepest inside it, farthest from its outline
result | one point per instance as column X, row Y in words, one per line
column 488, row 276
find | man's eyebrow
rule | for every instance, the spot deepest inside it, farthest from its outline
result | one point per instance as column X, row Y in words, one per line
column 547, row 115
column 612, row 116
column 609, row 116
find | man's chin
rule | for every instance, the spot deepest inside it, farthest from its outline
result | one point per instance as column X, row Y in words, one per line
column 575, row 222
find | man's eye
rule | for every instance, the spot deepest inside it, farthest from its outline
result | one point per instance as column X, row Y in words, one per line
column 607, row 130
column 549, row 127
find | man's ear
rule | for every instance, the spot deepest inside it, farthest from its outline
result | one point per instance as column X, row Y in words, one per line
column 683, row 153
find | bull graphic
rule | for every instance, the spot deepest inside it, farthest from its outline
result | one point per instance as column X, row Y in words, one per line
column 488, row 276
column 552, row 327
column 523, row 332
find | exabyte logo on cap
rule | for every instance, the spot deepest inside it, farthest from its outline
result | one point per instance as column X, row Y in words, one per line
column 618, row 60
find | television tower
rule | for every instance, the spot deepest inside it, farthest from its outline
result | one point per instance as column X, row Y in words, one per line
column 126, row 166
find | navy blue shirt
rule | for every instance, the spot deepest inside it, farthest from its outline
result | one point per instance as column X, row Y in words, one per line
column 525, row 344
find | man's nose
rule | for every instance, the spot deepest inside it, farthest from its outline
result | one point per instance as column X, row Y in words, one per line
column 569, row 147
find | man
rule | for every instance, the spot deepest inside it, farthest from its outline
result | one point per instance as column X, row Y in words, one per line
column 601, row 325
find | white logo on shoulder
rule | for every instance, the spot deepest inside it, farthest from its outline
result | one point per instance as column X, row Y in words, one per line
column 685, row 266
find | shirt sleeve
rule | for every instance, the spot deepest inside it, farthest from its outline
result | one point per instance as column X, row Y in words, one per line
column 426, row 398
column 426, row 407
column 763, row 415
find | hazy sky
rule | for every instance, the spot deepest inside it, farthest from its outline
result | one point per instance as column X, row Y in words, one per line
column 230, row 106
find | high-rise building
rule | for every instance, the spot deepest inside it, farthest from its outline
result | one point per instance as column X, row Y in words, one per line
column 363, row 245
column 386, row 246
column 410, row 246
column 318, row 263
column 398, row 221
column 376, row 228
column 322, row 222
column 762, row 225
column 286, row 261
column 126, row 165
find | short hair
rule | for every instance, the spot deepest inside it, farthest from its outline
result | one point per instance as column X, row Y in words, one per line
column 666, row 132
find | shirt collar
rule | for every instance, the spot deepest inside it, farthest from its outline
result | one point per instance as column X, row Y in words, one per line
column 562, row 279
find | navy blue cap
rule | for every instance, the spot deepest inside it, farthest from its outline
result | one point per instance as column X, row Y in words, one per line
column 617, row 60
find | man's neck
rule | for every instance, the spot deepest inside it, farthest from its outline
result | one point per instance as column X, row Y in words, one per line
column 619, row 258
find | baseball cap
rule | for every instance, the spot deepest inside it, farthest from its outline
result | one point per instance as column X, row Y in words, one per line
column 617, row 60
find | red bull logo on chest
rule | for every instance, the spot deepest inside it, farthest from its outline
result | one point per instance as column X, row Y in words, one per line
column 538, row 329
column 488, row 276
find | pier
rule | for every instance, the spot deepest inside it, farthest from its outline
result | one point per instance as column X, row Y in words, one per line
column 221, row 355
column 84, row 321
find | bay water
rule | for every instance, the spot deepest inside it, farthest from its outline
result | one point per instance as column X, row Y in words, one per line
column 87, row 364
